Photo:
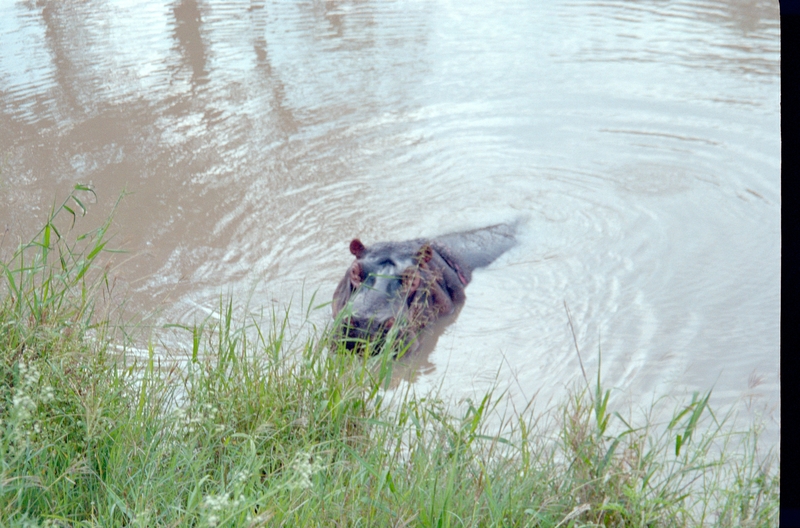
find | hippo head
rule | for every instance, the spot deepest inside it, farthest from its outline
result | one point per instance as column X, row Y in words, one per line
column 385, row 292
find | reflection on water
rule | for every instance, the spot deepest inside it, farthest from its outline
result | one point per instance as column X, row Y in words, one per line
column 640, row 143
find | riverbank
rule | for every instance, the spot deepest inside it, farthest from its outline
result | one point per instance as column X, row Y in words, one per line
column 253, row 431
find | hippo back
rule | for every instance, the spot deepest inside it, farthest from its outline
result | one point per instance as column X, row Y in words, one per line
column 479, row 247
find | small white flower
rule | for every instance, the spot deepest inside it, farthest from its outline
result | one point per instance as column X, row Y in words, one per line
column 240, row 477
column 216, row 503
column 303, row 469
column 48, row 394
column 141, row 518
column 23, row 406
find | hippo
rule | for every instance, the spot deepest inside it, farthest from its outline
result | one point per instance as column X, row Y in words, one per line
column 399, row 288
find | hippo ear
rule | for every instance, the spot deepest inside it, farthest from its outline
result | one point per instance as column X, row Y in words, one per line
column 425, row 254
column 356, row 274
column 357, row 248
column 411, row 279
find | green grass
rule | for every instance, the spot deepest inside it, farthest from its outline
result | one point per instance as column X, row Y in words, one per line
column 256, row 430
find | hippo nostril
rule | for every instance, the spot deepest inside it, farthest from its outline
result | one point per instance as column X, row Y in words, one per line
column 348, row 325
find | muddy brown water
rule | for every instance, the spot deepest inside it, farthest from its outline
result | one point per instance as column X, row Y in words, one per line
column 639, row 142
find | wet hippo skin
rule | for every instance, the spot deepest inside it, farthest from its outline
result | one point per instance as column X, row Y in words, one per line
column 408, row 285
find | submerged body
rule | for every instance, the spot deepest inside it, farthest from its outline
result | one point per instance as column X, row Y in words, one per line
column 405, row 286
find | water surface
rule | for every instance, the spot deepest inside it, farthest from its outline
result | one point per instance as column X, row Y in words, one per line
column 639, row 143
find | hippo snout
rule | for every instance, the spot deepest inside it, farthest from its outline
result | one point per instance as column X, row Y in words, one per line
column 356, row 332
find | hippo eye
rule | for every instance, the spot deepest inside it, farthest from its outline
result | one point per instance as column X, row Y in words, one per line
column 393, row 286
